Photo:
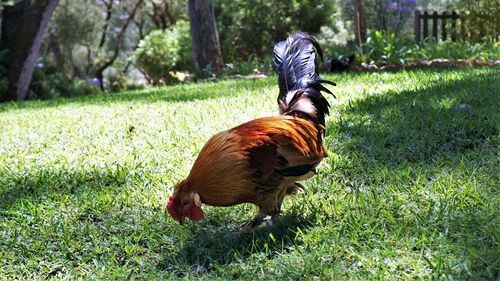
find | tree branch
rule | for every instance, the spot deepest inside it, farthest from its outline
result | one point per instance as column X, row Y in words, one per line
column 99, row 71
column 109, row 10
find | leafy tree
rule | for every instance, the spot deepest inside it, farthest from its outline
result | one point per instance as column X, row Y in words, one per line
column 251, row 27
column 103, row 40
column 163, row 51
column 482, row 18
column 71, row 37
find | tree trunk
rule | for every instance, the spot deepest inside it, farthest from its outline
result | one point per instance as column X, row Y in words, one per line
column 26, row 22
column 12, row 19
column 204, row 37
column 359, row 21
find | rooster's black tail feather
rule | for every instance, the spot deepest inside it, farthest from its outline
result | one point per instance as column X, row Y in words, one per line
column 300, row 86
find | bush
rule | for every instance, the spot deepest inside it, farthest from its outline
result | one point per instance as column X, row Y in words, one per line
column 249, row 66
column 384, row 48
column 251, row 28
column 163, row 51
column 457, row 50
column 120, row 82
column 185, row 56
column 336, row 40
column 48, row 82
column 481, row 18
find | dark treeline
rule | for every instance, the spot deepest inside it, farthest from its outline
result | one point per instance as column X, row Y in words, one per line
column 52, row 48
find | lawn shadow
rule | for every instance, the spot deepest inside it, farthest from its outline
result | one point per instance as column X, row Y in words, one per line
column 389, row 131
column 413, row 126
column 43, row 184
column 213, row 244
column 441, row 128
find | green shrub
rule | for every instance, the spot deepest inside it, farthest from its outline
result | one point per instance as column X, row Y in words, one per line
column 48, row 82
column 251, row 28
column 384, row 48
column 163, row 51
column 119, row 83
column 481, row 20
column 249, row 66
column 185, row 56
column 457, row 50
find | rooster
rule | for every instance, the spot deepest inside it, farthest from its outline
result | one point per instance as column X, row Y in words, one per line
column 261, row 161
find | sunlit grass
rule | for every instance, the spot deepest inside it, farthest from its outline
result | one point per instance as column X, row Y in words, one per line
column 410, row 188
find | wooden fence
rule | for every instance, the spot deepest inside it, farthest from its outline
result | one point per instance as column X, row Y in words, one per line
column 448, row 25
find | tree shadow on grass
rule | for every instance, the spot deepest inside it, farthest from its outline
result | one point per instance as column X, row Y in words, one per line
column 395, row 131
column 212, row 245
column 420, row 125
column 176, row 93
column 390, row 131
column 441, row 128
column 46, row 183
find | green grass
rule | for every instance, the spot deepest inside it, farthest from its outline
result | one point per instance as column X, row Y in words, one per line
column 409, row 191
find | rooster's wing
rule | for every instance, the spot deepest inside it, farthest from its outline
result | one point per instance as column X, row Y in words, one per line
column 280, row 148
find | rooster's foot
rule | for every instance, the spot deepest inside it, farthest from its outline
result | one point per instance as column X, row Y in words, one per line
column 249, row 226
column 275, row 220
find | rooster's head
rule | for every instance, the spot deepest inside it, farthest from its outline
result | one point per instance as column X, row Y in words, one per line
column 184, row 203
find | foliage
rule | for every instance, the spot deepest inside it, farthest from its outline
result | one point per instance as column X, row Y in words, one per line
column 163, row 51
column 73, row 39
column 481, row 18
column 48, row 83
column 384, row 48
column 184, row 36
column 249, row 66
column 457, row 50
column 8, row 2
column 120, row 83
column 251, row 28
column 158, row 54
column 71, row 29
column 334, row 38
column 82, row 45
column 409, row 190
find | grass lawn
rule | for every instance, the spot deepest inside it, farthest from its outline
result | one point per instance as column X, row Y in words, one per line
column 409, row 191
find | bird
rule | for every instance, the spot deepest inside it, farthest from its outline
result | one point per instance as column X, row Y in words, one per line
column 340, row 63
column 263, row 160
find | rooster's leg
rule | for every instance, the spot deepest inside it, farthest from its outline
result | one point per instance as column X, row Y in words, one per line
column 275, row 217
column 293, row 189
column 279, row 202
